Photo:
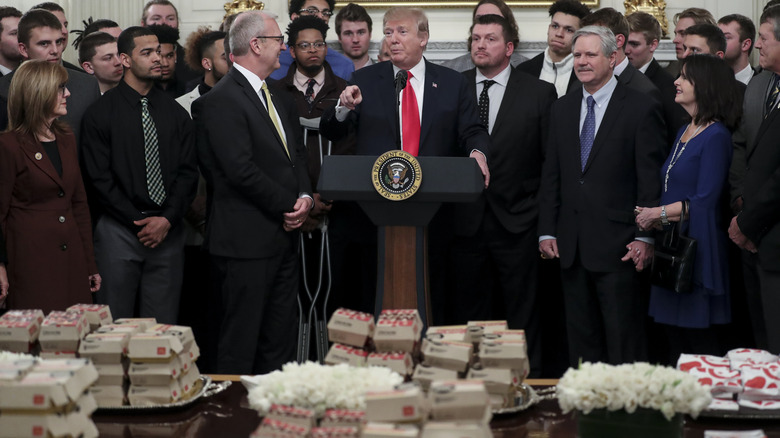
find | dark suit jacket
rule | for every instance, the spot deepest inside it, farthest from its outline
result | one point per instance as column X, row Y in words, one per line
column 674, row 114
column 84, row 91
column 450, row 126
column 753, row 108
column 760, row 216
column 517, row 149
column 534, row 68
column 633, row 78
column 591, row 212
column 251, row 180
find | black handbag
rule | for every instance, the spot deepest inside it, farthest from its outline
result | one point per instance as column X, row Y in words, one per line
column 673, row 259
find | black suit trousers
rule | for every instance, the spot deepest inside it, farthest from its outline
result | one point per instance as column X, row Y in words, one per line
column 258, row 332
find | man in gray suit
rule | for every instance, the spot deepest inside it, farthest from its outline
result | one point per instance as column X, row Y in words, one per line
column 40, row 38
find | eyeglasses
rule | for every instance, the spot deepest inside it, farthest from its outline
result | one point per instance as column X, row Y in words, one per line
column 279, row 38
column 63, row 89
column 314, row 11
column 319, row 45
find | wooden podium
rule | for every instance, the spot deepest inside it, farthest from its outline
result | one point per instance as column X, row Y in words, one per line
column 402, row 271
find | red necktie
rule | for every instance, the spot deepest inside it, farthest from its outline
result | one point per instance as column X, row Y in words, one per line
column 410, row 115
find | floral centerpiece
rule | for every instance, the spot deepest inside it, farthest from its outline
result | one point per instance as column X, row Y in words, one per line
column 637, row 399
column 318, row 387
column 10, row 356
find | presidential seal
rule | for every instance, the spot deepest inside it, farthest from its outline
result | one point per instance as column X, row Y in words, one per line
column 396, row 175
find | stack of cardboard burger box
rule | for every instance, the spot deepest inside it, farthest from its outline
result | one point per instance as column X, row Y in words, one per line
column 61, row 334
column 190, row 352
column 351, row 333
column 19, row 330
column 97, row 314
column 108, row 352
column 154, row 369
column 47, row 398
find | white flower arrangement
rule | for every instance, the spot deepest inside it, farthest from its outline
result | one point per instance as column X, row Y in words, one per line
column 7, row 356
column 628, row 386
column 318, row 387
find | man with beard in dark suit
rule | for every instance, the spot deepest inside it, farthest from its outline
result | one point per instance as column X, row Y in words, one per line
column 603, row 159
column 251, row 152
column 495, row 246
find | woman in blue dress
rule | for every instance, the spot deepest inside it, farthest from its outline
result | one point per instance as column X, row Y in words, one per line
column 695, row 174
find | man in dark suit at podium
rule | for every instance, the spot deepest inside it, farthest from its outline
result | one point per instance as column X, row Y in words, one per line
column 496, row 236
column 603, row 158
column 438, row 117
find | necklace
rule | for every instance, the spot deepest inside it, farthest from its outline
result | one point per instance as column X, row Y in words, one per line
column 676, row 156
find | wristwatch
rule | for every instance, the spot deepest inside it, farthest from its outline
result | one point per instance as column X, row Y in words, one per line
column 664, row 218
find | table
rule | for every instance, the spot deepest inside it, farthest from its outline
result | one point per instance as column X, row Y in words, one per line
column 227, row 415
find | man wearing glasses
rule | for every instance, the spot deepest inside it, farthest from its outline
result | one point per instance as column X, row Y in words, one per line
column 341, row 65
column 251, row 152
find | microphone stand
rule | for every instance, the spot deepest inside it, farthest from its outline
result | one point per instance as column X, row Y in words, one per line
column 400, row 83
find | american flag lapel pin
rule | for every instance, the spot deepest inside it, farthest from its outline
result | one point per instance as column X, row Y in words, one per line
column 434, row 85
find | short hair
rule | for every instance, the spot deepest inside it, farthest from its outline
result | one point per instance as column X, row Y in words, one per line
column 747, row 30
column 716, row 41
column 227, row 23
column 150, row 3
column 165, row 34
column 698, row 15
column 506, row 12
column 8, row 11
column 29, row 108
column 355, row 13
column 199, row 45
column 90, row 27
column 126, row 41
column 398, row 13
column 608, row 17
column 646, row 24
column 569, row 7
column 90, row 43
column 715, row 90
column 248, row 25
column 297, row 5
column 509, row 34
column 33, row 19
column 608, row 40
column 770, row 15
column 303, row 23
column 49, row 6
column 771, row 3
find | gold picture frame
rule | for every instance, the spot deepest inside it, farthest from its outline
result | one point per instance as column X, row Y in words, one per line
column 455, row 3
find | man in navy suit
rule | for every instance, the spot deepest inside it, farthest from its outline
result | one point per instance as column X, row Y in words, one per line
column 604, row 156
column 445, row 116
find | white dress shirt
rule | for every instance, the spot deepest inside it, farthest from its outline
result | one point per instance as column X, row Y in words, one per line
column 495, row 93
column 745, row 75
column 257, row 85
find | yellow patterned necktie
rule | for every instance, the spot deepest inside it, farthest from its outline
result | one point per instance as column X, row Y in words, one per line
column 272, row 113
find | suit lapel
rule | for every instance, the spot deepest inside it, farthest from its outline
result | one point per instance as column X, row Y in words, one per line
column 769, row 121
column 430, row 100
column 386, row 88
column 37, row 155
column 614, row 109
column 253, row 97
column 511, row 94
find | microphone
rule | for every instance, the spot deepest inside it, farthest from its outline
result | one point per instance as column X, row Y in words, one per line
column 400, row 81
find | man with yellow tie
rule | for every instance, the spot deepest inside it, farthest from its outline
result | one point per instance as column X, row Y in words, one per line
column 251, row 152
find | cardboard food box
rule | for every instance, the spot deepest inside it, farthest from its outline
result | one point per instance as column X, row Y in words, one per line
column 339, row 353
column 458, row 400
column 400, row 362
column 111, row 374
column 109, row 395
column 448, row 354
column 62, row 331
column 398, row 330
column 192, row 353
column 36, row 314
column 128, row 328
column 19, row 334
column 489, row 326
column 154, row 373
column 344, row 417
column 442, row 429
column 273, row 428
column 154, row 395
column 47, row 390
column 20, row 365
column 184, row 333
column 504, row 354
column 399, row 405
column 145, row 346
column 335, row 432
column 144, row 323
column 49, row 355
column 305, row 418
column 350, row 327
column 74, row 424
column 105, row 348
column 505, row 335
column 96, row 314
column 501, row 385
column 189, row 381
column 455, row 333
column 389, row 430
column 425, row 374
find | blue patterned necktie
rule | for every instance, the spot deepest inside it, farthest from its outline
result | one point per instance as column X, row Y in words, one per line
column 588, row 133
column 154, row 181
column 770, row 100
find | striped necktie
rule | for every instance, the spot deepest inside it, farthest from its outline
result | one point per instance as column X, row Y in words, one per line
column 154, row 181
